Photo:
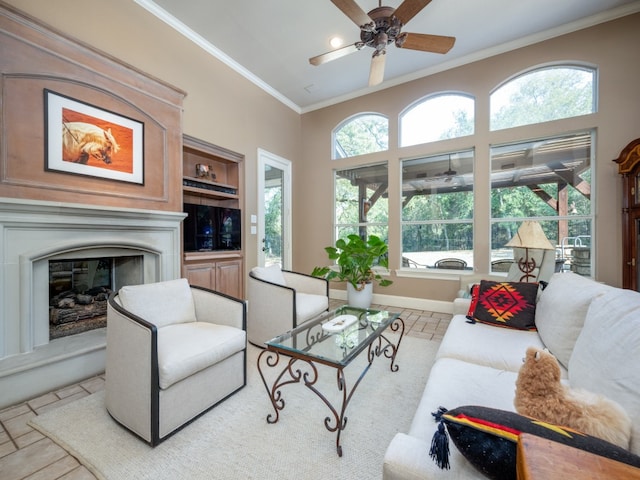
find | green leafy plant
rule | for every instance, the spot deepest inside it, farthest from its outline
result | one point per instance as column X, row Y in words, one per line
column 355, row 259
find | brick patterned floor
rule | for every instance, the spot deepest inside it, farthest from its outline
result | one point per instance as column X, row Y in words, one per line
column 27, row 454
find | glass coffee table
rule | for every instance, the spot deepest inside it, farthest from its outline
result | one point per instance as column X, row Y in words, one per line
column 335, row 339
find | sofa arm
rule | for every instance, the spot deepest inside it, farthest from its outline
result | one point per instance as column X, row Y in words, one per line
column 303, row 283
column 407, row 458
column 461, row 306
column 218, row 308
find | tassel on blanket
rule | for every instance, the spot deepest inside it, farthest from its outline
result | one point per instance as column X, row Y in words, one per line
column 439, row 451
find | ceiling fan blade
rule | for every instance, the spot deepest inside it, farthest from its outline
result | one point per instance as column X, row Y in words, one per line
column 351, row 9
column 425, row 42
column 332, row 55
column 376, row 73
column 409, row 9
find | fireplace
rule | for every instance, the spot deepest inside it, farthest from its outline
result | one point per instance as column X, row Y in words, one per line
column 130, row 246
column 79, row 290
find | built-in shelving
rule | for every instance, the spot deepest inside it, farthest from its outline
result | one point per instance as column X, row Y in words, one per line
column 220, row 270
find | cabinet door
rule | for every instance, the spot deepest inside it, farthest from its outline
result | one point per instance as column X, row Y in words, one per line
column 201, row 275
column 229, row 277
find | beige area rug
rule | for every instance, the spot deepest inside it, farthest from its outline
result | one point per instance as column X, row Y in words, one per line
column 234, row 440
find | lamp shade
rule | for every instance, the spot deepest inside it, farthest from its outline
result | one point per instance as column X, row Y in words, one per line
column 530, row 235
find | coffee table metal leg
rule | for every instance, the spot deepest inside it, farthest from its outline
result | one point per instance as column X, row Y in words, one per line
column 390, row 350
column 304, row 370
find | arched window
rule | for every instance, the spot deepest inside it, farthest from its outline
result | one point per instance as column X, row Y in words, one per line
column 544, row 94
column 437, row 117
column 360, row 134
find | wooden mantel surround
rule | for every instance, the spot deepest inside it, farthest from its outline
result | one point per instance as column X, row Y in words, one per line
column 35, row 59
column 49, row 213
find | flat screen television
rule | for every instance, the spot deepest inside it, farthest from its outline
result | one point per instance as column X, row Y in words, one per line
column 209, row 228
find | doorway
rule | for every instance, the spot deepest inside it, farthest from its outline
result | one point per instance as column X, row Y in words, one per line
column 274, row 210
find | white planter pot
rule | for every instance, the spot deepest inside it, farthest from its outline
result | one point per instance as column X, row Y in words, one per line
column 361, row 298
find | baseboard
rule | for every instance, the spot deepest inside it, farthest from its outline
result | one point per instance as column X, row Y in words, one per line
column 402, row 302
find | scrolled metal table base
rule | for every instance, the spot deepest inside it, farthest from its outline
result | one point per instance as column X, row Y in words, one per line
column 300, row 368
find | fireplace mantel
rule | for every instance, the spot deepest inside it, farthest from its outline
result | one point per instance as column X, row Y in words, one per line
column 31, row 233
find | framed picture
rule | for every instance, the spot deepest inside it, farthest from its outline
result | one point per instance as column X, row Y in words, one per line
column 87, row 140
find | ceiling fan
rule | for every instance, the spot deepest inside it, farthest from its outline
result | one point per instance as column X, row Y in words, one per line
column 381, row 27
column 449, row 174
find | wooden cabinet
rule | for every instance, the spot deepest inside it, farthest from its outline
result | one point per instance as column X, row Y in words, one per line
column 538, row 458
column 629, row 168
column 222, row 275
column 213, row 176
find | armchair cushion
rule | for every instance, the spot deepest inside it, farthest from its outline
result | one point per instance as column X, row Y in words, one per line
column 185, row 349
column 162, row 303
column 271, row 274
column 309, row 305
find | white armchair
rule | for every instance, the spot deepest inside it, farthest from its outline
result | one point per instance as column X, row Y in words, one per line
column 173, row 352
column 279, row 300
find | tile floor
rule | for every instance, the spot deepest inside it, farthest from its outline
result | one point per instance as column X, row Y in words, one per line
column 27, row 454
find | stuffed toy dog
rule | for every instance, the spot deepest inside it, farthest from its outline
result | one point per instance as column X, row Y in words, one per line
column 540, row 394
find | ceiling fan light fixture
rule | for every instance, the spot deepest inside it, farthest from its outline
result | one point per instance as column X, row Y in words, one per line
column 336, row 41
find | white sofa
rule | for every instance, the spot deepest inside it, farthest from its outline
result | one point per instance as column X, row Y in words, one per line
column 593, row 330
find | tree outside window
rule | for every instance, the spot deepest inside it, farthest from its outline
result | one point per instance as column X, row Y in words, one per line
column 437, row 210
column 362, row 205
column 547, row 180
column 365, row 133
column 438, row 117
column 543, row 95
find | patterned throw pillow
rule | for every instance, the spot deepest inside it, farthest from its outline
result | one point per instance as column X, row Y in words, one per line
column 507, row 304
column 474, row 300
column 488, row 439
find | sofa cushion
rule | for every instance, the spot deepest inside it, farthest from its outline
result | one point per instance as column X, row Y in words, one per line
column 606, row 357
column 561, row 311
column 161, row 303
column 272, row 274
column 488, row 438
column 309, row 305
column 454, row 382
column 501, row 348
column 185, row 349
column 507, row 304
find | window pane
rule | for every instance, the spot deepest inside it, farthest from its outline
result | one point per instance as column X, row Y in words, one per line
column 437, row 210
column 437, row 118
column 362, row 204
column 363, row 134
column 543, row 95
column 549, row 181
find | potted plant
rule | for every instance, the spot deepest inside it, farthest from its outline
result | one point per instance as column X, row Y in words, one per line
column 355, row 259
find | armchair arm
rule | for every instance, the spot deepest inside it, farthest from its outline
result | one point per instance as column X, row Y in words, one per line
column 218, row 308
column 304, row 283
column 131, row 370
column 271, row 309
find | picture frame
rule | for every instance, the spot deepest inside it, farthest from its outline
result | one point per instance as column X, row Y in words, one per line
column 84, row 139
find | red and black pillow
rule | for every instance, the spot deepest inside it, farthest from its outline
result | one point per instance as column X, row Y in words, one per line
column 504, row 304
column 488, row 439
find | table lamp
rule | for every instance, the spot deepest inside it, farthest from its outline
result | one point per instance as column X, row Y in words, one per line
column 529, row 235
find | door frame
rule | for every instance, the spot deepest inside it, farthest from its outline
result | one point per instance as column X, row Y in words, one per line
column 265, row 159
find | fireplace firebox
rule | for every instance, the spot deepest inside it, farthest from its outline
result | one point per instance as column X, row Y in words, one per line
column 79, row 290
